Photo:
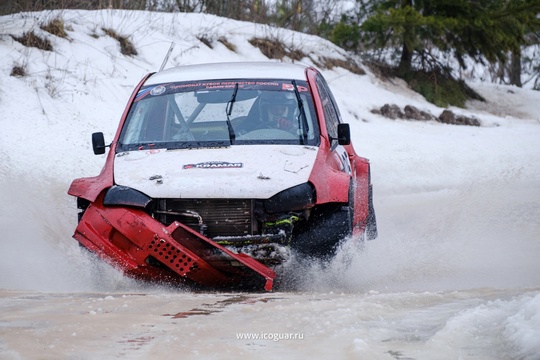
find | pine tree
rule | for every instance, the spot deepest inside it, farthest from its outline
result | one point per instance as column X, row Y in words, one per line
column 479, row 29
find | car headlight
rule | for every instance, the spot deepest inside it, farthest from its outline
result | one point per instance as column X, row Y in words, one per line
column 119, row 195
column 296, row 198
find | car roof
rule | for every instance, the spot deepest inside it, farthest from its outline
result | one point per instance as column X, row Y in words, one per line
column 230, row 70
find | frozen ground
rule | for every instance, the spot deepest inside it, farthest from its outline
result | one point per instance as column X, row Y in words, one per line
column 454, row 273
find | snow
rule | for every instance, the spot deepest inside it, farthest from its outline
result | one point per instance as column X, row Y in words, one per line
column 453, row 274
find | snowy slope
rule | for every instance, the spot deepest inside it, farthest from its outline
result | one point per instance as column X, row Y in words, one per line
column 458, row 207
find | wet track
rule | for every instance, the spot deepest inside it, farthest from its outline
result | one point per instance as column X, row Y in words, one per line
column 441, row 282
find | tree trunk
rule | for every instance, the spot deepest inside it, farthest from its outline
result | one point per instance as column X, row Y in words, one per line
column 405, row 61
column 515, row 69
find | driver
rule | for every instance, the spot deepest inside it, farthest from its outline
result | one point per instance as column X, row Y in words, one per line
column 277, row 110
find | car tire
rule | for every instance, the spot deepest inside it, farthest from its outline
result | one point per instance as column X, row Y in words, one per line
column 324, row 233
column 371, row 232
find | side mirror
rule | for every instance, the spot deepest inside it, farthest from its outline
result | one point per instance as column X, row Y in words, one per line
column 98, row 143
column 344, row 134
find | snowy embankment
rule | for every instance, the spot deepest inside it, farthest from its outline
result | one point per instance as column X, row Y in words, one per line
column 458, row 207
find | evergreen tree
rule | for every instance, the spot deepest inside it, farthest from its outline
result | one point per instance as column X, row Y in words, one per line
column 479, row 29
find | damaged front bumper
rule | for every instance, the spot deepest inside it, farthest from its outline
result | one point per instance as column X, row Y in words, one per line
column 142, row 247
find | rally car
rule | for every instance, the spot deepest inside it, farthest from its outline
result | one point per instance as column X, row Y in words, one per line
column 219, row 172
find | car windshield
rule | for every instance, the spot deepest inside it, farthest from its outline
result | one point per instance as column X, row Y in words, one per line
column 220, row 113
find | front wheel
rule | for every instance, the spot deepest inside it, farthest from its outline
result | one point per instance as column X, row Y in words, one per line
column 324, row 232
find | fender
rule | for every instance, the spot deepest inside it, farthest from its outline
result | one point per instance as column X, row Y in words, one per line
column 361, row 192
column 330, row 186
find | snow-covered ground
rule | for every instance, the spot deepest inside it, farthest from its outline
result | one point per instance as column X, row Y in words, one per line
column 454, row 273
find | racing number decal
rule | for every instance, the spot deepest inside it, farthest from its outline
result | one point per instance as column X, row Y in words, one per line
column 343, row 158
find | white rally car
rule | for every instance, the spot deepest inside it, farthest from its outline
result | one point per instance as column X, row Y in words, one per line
column 218, row 171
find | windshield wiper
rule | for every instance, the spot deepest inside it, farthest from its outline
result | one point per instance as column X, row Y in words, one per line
column 228, row 110
column 302, row 120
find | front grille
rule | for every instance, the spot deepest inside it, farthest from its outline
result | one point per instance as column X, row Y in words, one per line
column 219, row 217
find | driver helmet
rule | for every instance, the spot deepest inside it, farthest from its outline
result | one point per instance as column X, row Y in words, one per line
column 275, row 105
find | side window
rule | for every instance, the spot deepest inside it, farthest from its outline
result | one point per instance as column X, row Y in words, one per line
column 331, row 113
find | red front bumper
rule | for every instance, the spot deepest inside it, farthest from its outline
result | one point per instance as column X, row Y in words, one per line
column 144, row 248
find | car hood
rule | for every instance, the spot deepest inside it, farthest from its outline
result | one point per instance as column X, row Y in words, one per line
column 239, row 171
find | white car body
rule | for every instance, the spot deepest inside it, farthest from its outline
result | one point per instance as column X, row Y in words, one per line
column 261, row 172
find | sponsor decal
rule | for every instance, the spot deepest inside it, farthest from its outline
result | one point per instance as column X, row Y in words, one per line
column 231, row 84
column 158, row 90
column 152, row 90
column 290, row 87
column 342, row 158
column 214, row 165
